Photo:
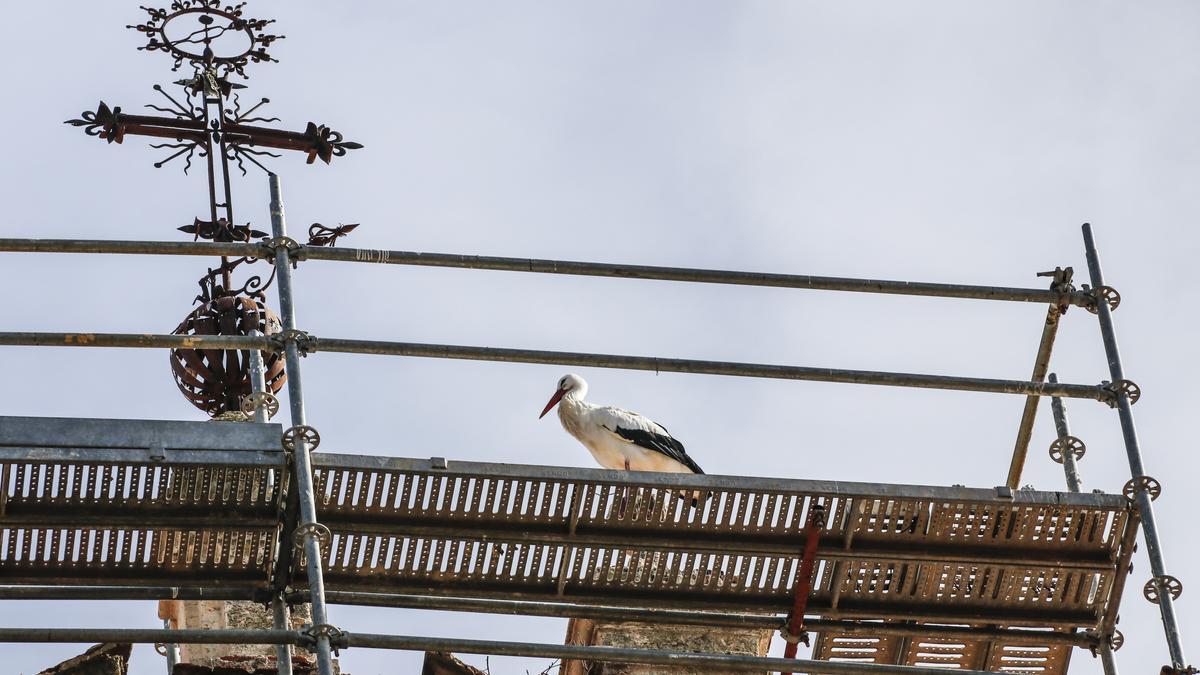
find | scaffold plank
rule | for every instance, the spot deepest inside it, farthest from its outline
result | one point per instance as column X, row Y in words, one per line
column 69, row 432
column 86, row 501
column 594, row 536
column 1024, row 655
column 170, row 506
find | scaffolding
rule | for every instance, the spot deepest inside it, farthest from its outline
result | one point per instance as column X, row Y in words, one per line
column 906, row 579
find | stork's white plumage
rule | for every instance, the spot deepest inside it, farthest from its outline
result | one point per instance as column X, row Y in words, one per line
column 618, row 439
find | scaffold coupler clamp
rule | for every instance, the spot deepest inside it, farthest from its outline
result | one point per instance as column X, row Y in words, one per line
column 1101, row 294
column 1114, row 390
column 1172, row 670
column 275, row 244
column 1067, row 445
column 1147, row 484
column 794, row 638
column 260, row 399
column 336, row 636
column 305, row 343
column 1158, row 586
column 318, row 530
column 1060, row 282
column 1115, row 641
column 310, row 436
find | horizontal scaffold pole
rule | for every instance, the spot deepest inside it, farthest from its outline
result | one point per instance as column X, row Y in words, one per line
column 688, row 617
column 72, row 592
column 197, row 636
column 727, row 662
column 137, row 340
column 551, row 609
column 650, row 363
column 736, row 369
column 194, row 248
column 541, row 266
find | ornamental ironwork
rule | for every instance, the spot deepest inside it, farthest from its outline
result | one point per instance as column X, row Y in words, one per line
column 204, row 120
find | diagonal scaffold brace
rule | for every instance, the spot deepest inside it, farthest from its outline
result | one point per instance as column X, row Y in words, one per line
column 794, row 633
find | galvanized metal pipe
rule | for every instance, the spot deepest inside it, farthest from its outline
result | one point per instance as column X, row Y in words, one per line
column 931, row 611
column 280, row 614
column 302, row 476
column 171, row 650
column 1041, row 364
column 1071, row 472
column 686, row 617
column 135, row 340
column 258, row 378
column 1107, row 661
column 1070, row 469
column 550, row 609
column 192, row 248
column 708, row 367
column 726, row 662
column 688, row 274
column 128, row 593
column 648, row 363
column 191, row 636
column 1134, row 454
column 569, row 267
column 281, row 620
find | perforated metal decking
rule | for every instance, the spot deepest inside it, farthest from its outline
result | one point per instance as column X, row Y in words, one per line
column 117, row 502
column 170, row 509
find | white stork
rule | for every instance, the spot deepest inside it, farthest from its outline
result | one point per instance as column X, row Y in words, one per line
column 617, row 438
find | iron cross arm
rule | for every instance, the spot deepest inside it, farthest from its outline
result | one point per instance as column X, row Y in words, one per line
column 113, row 125
column 316, row 141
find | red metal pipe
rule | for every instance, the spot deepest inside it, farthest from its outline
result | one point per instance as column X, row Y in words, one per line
column 795, row 623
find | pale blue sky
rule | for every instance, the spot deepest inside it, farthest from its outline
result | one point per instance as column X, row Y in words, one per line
column 933, row 141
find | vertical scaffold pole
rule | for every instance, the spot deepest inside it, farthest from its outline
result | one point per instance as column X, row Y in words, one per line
column 303, row 463
column 1067, row 445
column 258, row 379
column 1133, row 451
column 170, row 650
column 1064, row 438
column 1107, row 660
column 280, row 619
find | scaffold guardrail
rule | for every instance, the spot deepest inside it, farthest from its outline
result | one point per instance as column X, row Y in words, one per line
column 993, row 560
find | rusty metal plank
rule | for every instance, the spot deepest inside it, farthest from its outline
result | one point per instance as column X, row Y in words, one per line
column 973, row 556
column 954, row 554
column 1019, row 654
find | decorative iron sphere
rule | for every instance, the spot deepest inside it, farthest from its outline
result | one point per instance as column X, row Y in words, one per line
column 216, row 380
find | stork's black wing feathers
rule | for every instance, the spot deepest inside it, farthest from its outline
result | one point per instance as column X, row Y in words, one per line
column 663, row 443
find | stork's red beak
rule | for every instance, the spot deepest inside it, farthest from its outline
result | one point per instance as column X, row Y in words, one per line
column 553, row 401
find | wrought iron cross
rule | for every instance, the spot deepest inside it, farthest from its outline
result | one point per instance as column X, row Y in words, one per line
column 207, row 119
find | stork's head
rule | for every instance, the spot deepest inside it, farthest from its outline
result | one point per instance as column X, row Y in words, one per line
column 570, row 385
